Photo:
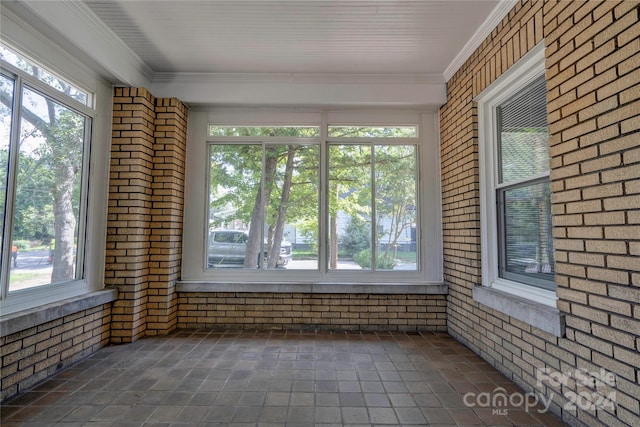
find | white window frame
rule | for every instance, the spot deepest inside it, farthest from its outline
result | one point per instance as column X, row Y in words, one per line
column 515, row 79
column 27, row 41
column 195, row 226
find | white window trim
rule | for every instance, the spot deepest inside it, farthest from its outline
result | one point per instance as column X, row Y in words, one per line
column 518, row 76
column 194, row 246
column 22, row 37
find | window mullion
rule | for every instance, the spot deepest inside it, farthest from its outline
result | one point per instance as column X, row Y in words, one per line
column 323, row 226
column 84, row 201
column 374, row 225
column 12, row 176
column 263, row 206
column 527, row 180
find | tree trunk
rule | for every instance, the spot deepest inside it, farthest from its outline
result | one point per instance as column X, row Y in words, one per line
column 64, row 226
column 64, row 223
column 255, row 243
column 274, row 249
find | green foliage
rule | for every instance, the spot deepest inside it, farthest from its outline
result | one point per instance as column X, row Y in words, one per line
column 372, row 132
column 363, row 259
column 290, row 131
column 50, row 164
column 235, row 179
column 36, row 224
column 357, row 236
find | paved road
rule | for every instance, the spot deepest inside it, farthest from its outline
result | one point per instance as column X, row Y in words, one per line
column 32, row 260
column 33, row 270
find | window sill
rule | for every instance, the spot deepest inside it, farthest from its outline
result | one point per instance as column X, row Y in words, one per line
column 25, row 319
column 541, row 316
column 315, row 288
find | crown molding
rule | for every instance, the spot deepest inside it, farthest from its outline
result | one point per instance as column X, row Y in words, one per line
column 83, row 29
column 495, row 17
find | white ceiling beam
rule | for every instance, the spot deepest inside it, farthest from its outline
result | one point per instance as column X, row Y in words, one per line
column 428, row 92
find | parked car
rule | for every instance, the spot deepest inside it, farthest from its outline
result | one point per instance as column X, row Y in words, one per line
column 227, row 248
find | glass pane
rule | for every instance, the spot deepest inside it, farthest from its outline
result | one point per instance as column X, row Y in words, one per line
column 292, row 183
column 396, row 207
column 350, row 203
column 523, row 135
column 235, row 209
column 528, row 243
column 242, row 234
column 47, row 203
column 6, row 109
column 373, row 131
column 43, row 75
column 292, row 131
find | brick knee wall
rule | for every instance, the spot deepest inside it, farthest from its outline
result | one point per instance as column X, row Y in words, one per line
column 32, row 355
column 361, row 312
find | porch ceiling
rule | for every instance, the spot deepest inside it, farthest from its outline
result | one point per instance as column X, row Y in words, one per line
column 319, row 37
column 419, row 44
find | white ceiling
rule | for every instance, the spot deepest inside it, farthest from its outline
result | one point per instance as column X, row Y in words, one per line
column 371, row 37
column 294, row 52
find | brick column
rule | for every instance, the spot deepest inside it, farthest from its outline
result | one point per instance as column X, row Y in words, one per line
column 166, row 214
column 144, row 224
column 128, row 243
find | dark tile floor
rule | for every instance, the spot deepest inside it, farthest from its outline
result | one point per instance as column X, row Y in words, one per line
column 237, row 379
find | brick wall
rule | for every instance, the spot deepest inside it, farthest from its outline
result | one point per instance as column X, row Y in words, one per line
column 31, row 355
column 362, row 312
column 166, row 214
column 593, row 83
column 146, row 199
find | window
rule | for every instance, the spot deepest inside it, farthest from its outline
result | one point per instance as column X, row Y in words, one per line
column 44, row 76
column 372, row 187
column 522, row 191
column 44, row 144
column 308, row 201
column 517, row 246
column 263, row 203
column 264, row 199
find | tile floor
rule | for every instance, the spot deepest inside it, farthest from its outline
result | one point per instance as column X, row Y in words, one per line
column 240, row 378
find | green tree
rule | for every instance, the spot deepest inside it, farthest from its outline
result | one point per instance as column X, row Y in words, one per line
column 357, row 236
column 266, row 197
column 349, row 189
column 395, row 193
